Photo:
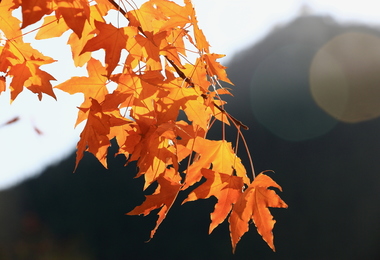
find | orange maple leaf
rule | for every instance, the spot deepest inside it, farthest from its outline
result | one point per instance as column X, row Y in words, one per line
column 10, row 25
column 163, row 197
column 219, row 155
column 214, row 68
column 93, row 86
column 112, row 40
column 226, row 188
column 200, row 39
column 77, row 44
column 156, row 152
column 154, row 84
column 33, row 11
column 24, row 64
column 52, row 27
column 95, row 135
column 253, row 205
column 186, row 99
column 74, row 12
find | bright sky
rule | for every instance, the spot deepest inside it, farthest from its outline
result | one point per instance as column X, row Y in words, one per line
column 228, row 25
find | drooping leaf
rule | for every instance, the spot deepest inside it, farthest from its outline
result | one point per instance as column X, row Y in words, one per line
column 163, row 197
column 253, row 205
column 95, row 135
column 226, row 188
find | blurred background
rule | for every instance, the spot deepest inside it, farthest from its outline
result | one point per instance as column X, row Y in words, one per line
column 307, row 85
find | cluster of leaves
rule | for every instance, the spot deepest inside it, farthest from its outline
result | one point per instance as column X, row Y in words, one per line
column 148, row 62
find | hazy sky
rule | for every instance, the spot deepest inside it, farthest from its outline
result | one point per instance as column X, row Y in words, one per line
column 228, row 25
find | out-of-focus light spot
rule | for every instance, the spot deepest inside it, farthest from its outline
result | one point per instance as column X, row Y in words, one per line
column 345, row 77
column 280, row 95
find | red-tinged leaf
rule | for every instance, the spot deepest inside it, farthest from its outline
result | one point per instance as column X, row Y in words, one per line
column 94, row 135
column 226, row 188
column 112, row 40
column 253, row 205
column 39, row 83
column 20, row 73
column 2, row 84
column 74, row 12
column 38, row 131
column 11, row 121
column 163, row 197
column 33, row 10
column 23, row 64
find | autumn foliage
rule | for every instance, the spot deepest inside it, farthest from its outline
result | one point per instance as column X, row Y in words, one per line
column 161, row 107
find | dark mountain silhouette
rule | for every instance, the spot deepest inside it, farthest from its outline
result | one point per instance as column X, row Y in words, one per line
column 329, row 171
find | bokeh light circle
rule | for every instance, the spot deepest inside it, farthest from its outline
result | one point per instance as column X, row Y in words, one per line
column 281, row 98
column 345, row 77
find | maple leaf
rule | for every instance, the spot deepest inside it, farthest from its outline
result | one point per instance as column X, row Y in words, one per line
column 253, row 205
column 175, row 15
column 95, row 135
column 2, row 84
column 51, row 27
column 163, row 197
column 33, row 11
column 155, row 153
column 219, row 154
column 214, row 68
column 24, row 64
column 200, row 39
column 226, row 188
column 74, row 12
column 112, row 40
column 154, row 84
column 10, row 25
column 77, row 44
column 93, row 86
column 39, row 82
column 187, row 99
column 147, row 17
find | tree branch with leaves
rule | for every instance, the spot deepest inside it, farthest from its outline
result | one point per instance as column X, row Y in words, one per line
column 150, row 63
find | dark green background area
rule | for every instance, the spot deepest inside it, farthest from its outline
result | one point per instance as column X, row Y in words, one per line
column 330, row 180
